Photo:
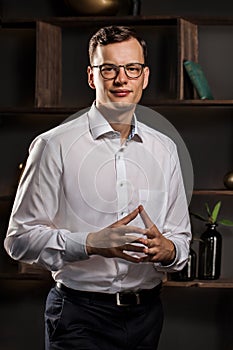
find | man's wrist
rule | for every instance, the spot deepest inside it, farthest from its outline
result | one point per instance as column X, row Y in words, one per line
column 90, row 249
column 172, row 257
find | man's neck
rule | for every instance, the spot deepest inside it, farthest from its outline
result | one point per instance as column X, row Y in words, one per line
column 119, row 117
column 123, row 129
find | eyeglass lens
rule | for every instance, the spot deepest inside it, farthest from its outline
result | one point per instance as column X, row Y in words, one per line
column 110, row 71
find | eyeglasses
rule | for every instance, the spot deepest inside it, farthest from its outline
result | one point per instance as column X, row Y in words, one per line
column 111, row 71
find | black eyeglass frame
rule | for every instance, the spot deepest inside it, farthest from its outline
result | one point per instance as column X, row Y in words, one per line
column 117, row 69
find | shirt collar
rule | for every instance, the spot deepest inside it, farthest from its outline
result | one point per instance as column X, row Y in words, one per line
column 99, row 126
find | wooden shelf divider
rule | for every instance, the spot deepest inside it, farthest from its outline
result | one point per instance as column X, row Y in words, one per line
column 48, row 88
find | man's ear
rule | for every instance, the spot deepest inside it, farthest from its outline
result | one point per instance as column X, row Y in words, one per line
column 146, row 77
column 90, row 77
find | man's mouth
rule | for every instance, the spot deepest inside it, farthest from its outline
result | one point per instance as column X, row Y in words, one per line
column 121, row 92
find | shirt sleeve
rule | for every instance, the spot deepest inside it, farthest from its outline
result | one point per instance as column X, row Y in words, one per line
column 177, row 222
column 32, row 236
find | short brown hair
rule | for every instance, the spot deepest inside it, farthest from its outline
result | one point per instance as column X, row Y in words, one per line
column 114, row 34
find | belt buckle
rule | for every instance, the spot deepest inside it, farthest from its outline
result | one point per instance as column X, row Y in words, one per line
column 120, row 295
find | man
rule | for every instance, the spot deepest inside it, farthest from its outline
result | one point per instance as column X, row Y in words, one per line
column 102, row 205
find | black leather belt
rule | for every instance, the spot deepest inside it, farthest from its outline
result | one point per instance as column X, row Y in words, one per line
column 127, row 298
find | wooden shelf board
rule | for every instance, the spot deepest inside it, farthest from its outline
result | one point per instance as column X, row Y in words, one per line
column 40, row 110
column 158, row 103
column 194, row 102
column 129, row 19
column 210, row 20
column 200, row 284
column 76, row 21
column 213, row 192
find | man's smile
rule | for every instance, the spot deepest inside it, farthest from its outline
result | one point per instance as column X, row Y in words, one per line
column 121, row 92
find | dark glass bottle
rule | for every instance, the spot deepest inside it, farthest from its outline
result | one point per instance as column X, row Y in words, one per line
column 188, row 273
column 210, row 251
column 135, row 7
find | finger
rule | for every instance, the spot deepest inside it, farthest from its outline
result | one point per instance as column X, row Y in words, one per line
column 153, row 232
column 149, row 258
column 134, row 229
column 125, row 234
column 145, row 217
column 134, row 248
column 128, row 257
column 151, row 255
column 128, row 238
column 126, row 219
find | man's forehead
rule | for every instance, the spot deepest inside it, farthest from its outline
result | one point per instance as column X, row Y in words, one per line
column 126, row 48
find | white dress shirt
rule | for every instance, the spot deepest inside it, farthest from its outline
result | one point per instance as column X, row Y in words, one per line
column 79, row 178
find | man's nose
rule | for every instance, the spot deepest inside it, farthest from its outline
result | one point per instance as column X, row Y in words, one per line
column 121, row 75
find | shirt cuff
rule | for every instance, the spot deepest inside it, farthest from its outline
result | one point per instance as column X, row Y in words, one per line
column 75, row 248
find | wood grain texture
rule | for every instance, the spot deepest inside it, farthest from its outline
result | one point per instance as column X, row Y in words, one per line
column 187, row 50
column 48, row 88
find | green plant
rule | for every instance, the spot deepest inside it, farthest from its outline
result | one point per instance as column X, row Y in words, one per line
column 212, row 216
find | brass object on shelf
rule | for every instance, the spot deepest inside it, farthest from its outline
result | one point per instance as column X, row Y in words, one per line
column 94, row 7
column 228, row 180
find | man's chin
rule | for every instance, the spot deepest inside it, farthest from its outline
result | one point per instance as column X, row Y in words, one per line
column 121, row 106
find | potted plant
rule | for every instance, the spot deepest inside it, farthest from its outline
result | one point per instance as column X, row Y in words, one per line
column 210, row 243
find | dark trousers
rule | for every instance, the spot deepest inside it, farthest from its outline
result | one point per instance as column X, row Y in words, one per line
column 78, row 323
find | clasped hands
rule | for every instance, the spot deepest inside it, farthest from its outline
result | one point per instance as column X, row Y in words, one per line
column 119, row 238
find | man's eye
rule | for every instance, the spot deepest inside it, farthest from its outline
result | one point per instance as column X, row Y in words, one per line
column 133, row 69
column 108, row 69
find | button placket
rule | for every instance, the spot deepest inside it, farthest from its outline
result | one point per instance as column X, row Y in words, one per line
column 121, row 182
column 122, row 206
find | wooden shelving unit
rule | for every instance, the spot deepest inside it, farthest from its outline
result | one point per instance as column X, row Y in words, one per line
column 181, row 42
column 49, row 44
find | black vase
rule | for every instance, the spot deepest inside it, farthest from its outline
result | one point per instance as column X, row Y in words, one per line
column 210, row 251
column 135, row 7
column 188, row 273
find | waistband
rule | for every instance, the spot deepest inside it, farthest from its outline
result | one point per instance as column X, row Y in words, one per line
column 126, row 298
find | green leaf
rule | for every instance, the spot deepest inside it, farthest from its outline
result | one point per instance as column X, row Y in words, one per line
column 197, row 216
column 226, row 222
column 208, row 209
column 215, row 212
